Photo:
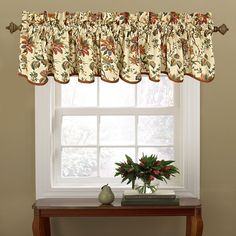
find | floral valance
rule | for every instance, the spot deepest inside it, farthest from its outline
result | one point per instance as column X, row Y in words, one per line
column 116, row 45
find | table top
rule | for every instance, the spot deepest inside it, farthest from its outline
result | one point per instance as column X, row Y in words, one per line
column 93, row 203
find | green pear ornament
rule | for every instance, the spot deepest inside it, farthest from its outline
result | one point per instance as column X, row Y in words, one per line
column 106, row 196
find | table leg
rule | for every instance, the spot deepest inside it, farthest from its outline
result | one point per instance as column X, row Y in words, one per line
column 41, row 225
column 194, row 224
column 188, row 225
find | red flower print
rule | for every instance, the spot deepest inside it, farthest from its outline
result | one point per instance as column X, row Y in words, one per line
column 80, row 61
column 141, row 49
column 27, row 44
column 107, row 46
column 134, row 42
column 174, row 17
column 163, row 48
column 44, row 73
column 57, row 47
column 134, row 60
column 83, row 48
column 202, row 77
column 153, row 18
column 124, row 16
column 94, row 17
column 202, row 18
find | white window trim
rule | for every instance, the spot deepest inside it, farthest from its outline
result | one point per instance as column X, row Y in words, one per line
column 44, row 102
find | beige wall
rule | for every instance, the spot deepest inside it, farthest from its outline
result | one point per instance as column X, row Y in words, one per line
column 218, row 129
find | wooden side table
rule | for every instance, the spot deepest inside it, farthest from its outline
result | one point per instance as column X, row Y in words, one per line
column 82, row 207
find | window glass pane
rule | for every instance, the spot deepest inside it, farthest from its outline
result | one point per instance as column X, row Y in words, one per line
column 120, row 94
column 79, row 162
column 77, row 94
column 155, row 130
column 108, row 157
column 155, row 94
column 117, row 130
column 163, row 153
column 115, row 135
column 79, row 130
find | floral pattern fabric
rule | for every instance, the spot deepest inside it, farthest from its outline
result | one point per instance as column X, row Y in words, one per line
column 116, row 45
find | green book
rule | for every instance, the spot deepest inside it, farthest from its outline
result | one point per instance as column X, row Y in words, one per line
column 149, row 202
column 133, row 194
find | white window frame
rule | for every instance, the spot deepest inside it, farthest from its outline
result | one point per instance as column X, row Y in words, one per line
column 189, row 144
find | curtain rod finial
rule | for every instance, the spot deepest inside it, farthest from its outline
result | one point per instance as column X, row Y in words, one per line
column 222, row 29
column 12, row 27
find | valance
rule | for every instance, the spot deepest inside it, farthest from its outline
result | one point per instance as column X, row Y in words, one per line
column 116, row 45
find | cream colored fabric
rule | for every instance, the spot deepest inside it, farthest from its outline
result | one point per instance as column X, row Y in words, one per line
column 116, row 45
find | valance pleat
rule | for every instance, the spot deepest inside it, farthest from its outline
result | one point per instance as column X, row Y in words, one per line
column 116, row 45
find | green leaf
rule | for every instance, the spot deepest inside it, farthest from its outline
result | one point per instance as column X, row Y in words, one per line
column 152, row 64
column 176, row 56
column 155, row 32
column 124, row 179
column 129, row 159
column 119, row 164
column 39, row 57
column 165, row 163
column 179, row 64
column 35, row 65
column 44, row 62
column 208, row 64
column 91, row 66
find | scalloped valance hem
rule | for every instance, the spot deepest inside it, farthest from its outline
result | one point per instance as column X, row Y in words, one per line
column 115, row 81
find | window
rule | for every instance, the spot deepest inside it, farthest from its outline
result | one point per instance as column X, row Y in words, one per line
column 83, row 129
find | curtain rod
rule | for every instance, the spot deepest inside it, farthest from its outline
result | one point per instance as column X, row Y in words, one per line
column 12, row 27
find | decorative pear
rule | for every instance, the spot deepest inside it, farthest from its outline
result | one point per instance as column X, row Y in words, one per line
column 106, row 196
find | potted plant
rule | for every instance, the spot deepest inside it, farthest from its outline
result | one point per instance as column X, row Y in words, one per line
column 147, row 170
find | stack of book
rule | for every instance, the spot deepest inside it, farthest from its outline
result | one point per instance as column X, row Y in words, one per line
column 159, row 198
